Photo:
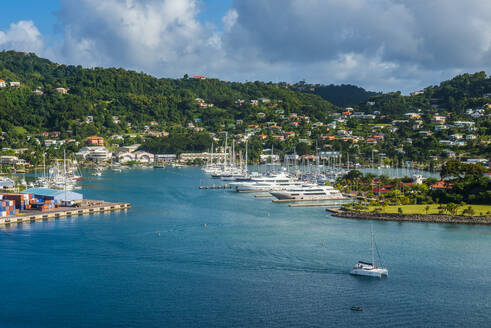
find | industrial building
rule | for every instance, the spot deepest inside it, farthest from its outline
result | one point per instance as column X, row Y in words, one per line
column 53, row 194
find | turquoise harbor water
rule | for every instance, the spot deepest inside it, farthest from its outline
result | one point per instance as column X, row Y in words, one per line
column 245, row 268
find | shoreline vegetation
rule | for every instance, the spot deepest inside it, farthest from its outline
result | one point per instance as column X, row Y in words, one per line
column 416, row 213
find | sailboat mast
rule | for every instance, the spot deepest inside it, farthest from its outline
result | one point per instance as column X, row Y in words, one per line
column 64, row 169
column 371, row 245
column 246, row 168
column 233, row 153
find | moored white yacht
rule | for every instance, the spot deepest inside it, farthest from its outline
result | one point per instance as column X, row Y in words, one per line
column 309, row 192
column 273, row 182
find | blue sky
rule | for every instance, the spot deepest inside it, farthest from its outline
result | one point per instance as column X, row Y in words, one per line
column 381, row 45
column 41, row 12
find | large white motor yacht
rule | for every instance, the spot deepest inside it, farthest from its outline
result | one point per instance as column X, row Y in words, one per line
column 274, row 182
column 309, row 192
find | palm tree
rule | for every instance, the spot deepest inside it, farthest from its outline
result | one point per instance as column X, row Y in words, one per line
column 427, row 208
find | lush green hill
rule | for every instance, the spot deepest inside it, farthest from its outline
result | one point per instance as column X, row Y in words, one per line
column 136, row 98
column 452, row 96
column 344, row 94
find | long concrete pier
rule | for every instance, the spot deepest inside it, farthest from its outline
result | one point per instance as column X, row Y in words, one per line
column 88, row 207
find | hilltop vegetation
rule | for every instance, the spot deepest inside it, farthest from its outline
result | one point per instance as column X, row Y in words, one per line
column 135, row 98
column 339, row 95
column 179, row 115
column 452, row 96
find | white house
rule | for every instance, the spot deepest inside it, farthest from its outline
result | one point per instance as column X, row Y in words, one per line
column 15, row 84
column 456, row 136
column 94, row 153
column 2, row 84
column 61, row 90
column 462, row 124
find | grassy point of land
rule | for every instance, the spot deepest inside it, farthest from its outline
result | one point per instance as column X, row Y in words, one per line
column 479, row 210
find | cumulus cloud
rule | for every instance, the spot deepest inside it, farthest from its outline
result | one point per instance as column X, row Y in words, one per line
column 378, row 44
column 158, row 36
column 359, row 40
column 22, row 36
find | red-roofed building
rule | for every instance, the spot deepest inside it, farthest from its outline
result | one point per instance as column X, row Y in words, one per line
column 380, row 190
column 441, row 185
column 290, row 134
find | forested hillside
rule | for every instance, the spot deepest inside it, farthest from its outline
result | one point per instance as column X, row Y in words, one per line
column 135, row 98
column 452, row 96
column 339, row 95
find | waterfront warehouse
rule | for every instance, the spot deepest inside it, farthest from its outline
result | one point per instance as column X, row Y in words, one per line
column 54, row 194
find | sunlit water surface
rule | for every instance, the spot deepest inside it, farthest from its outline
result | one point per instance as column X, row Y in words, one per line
column 231, row 260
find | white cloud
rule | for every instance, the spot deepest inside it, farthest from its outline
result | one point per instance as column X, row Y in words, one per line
column 378, row 44
column 160, row 37
column 229, row 19
column 22, row 36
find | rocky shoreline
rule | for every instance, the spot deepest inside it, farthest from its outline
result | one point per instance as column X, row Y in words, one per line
column 430, row 218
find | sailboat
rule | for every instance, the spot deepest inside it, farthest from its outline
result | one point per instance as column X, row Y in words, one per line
column 369, row 269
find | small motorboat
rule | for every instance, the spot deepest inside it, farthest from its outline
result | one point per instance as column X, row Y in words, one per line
column 357, row 308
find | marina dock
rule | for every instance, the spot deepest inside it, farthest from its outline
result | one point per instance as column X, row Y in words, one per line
column 216, row 187
column 335, row 204
column 87, row 207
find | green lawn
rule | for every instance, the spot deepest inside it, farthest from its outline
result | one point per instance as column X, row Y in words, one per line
column 420, row 209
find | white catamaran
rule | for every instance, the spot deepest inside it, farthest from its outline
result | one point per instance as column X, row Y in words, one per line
column 369, row 269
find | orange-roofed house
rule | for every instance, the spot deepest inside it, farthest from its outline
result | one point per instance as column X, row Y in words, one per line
column 290, row 134
column 96, row 141
column 2, row 84
column 441, row 185
column 262, row 136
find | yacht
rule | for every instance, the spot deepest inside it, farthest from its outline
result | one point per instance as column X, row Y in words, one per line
column 309, row 192
column 369, row 269
column 63, row 174
column 273, row 182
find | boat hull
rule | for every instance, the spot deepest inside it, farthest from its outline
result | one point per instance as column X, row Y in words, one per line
column 378, row 273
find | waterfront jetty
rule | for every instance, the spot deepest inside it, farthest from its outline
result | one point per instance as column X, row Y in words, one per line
column 428, row 218
column 216, row 187
column 316, row 204
column 84, row 208
column 265, row 195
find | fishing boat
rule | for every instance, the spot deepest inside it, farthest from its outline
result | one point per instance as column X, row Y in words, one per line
column 369, row 269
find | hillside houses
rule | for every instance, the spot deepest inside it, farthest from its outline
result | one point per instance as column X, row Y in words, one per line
column 201, row 103
column 62, row 91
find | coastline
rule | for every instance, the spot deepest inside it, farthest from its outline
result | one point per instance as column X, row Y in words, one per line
column 427, row 218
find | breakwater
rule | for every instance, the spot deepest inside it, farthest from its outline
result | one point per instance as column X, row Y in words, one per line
column 428, row 218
